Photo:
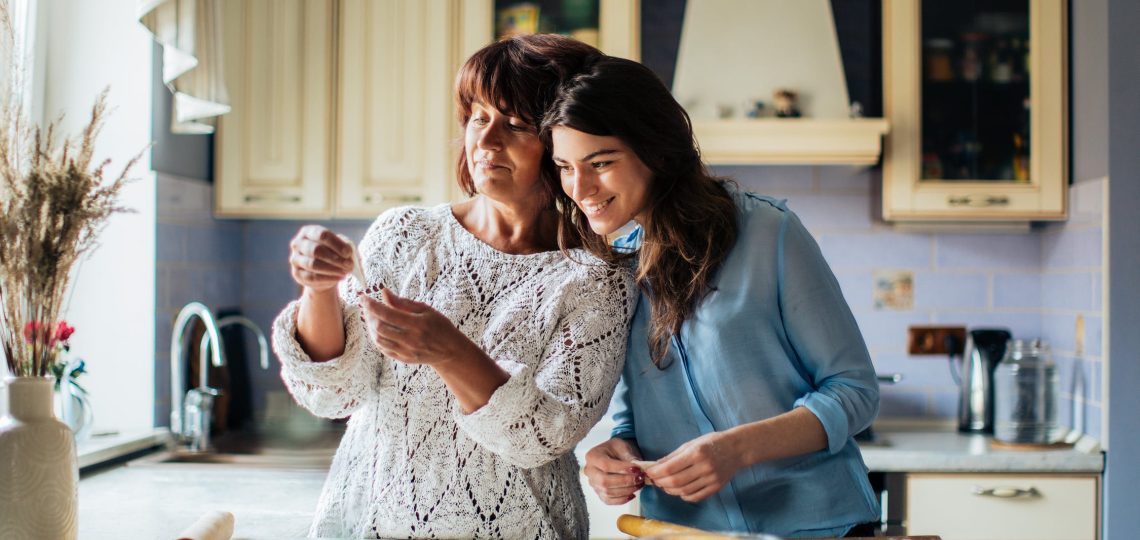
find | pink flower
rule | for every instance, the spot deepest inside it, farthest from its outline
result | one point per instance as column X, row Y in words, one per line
column 63, row 331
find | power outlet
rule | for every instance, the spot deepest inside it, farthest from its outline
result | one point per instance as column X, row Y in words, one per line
column 933, row 340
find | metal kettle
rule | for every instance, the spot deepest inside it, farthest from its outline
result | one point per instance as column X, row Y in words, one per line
column 985, row 347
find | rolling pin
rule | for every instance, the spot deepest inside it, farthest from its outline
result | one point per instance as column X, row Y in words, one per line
column 215, row 525
column 638, row 526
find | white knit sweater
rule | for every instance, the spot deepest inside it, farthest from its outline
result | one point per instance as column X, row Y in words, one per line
column 411, row 464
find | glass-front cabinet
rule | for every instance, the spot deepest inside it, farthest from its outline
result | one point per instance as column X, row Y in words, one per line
column 611, row 25
column 975, row 92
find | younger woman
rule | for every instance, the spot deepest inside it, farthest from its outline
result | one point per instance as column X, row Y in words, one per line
column 745, row 375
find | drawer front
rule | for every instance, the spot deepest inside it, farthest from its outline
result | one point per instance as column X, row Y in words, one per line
column 1002, row 507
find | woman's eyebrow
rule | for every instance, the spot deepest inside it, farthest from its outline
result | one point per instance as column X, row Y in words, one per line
column 589, row 156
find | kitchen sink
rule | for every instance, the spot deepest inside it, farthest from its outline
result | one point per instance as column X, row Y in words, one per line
column 318, row 461
column 253, row 449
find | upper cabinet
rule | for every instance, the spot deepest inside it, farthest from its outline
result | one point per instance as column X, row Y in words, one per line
column 976, row 98
column 340, row 108
column 394, row 113
column 274, row 148
column 610, row 25
column 343, row 108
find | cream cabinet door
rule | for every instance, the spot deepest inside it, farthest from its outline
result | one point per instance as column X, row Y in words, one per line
column 273, row 147
column 619, row 22
column 1003, row 506
column 978, row 120
column 395, row 126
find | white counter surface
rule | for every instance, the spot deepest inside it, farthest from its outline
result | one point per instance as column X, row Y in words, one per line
column 950, row 451
column 159, row 501
column 141, row 500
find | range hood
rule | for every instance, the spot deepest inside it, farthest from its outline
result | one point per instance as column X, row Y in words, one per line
column 736, row 52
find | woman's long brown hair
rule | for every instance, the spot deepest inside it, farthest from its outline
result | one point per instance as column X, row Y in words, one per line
column 690, row 224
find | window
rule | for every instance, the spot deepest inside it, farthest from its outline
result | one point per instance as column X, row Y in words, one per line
column 27, row 56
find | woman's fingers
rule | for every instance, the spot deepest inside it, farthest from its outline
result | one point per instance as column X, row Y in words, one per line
column 615, row 488
column 675, row 482
column 394, row 341
column 336, row 244
column 313, row 265
column 318, row 258
column 627, row 478
column 611, row 475
column 702, row 493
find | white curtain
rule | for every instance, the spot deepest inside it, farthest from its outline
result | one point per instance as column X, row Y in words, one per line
column 20, row 57
column 190, row 32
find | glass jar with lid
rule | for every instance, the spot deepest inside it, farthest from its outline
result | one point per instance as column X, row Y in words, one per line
column 1026, row 384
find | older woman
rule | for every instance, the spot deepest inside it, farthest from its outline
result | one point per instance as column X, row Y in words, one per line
column 476, row 355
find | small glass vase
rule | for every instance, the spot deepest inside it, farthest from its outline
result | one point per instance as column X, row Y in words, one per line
column 39, row 472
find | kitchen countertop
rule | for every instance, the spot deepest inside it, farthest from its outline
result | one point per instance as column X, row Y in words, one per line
column 146, row 499
column 159, row 501
column 950, row 451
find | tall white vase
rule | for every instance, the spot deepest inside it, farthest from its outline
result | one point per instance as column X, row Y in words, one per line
column 39, row 473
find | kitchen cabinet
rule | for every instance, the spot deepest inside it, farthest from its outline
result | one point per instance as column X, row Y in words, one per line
column 618, row 23
column 977, row 103
column 343, row 109
column 274, row 149
column 396, row 64
column 340, row 109
column 1003, row 506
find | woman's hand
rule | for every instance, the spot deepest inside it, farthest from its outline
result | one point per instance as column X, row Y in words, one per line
column 611, row 473
column 699, row 468
column 414, row 332
column 319, row 258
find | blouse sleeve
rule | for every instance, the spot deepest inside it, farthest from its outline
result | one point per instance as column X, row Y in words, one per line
column 334, row 388
column 825, row 337
column 622, row 413
column 337, row 387
column 547, row 407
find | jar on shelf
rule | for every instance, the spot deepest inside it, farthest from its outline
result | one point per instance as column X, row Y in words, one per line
column 970, row 65
column 1026, row 385
column 939, row 67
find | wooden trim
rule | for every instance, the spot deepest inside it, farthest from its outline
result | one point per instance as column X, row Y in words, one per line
column 619, row 28
column 791, row 141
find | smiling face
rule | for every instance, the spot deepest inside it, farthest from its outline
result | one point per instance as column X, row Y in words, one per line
column 504, row 154
column 603, row 176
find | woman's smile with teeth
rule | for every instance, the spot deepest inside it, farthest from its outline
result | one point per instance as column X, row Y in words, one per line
column 596, row 208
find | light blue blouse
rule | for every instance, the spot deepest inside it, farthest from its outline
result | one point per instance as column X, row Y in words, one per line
column 775, row 333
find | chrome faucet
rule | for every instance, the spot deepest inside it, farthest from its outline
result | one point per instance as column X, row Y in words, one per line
column 190, row 418
column 262, row 342
column 199, row 401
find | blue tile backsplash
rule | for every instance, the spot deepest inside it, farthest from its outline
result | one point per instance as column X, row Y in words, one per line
column 1034, row 283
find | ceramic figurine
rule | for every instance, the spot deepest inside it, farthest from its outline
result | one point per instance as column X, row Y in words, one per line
column 785, row 103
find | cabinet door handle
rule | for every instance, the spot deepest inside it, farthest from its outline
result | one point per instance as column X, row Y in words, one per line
column 1006, row 492
column 969, row 200
column 377, row 198
column 272, row 197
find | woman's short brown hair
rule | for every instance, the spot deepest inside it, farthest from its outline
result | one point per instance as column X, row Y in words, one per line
column 519, row 76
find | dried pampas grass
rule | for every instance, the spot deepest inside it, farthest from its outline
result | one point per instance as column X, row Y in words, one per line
column 54, row 201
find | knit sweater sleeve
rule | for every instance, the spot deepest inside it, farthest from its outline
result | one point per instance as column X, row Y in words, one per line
column 549, row 404
column 336, row 387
